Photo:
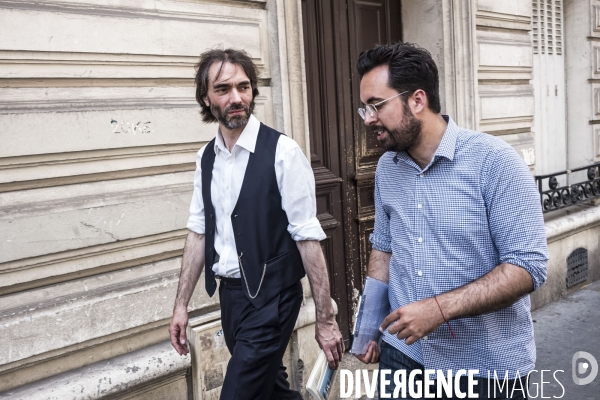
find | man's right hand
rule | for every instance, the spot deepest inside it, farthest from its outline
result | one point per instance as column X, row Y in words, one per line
column 191, row 268
column 372, row 354
column 177, row 331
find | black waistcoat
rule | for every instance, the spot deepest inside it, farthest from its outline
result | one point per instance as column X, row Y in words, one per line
column 259, row 224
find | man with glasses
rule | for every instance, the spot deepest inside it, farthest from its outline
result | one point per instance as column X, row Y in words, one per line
column 459, row 236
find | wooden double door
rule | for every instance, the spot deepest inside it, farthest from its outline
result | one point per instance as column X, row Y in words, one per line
column 344, row 154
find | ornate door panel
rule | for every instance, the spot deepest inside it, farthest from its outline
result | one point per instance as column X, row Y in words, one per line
column 373, row 22
column 322, row 70
column 343, row 154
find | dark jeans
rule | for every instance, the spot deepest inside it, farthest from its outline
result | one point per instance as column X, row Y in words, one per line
column 394, row 360
column 257, row 339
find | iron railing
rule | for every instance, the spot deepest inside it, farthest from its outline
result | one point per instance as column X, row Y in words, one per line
column 555, row 198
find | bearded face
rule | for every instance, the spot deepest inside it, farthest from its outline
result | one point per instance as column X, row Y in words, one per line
column 233, row 116
column 401, row 137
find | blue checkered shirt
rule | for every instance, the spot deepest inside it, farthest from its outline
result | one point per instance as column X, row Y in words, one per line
column 472, row 208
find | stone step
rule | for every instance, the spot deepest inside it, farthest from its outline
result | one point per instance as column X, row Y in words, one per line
column 147, row 373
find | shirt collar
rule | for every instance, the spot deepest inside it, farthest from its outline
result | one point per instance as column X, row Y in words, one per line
column 447, row 146
column 247, row 139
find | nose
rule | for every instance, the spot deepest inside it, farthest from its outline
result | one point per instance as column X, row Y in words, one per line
column 368, row 121
column 234, row 96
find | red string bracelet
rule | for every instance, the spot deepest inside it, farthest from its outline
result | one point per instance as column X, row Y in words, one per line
column 445, row 320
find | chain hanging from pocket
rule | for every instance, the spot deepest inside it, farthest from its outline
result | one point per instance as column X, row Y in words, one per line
column 245, row 280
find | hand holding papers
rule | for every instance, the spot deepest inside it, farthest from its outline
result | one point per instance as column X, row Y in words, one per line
column 320, row 379
column 373, row 307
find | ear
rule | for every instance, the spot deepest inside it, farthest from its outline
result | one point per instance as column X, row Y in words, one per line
column 206, row 101
column 419, row 101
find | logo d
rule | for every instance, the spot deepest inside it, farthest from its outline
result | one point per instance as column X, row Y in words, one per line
column 583, row 367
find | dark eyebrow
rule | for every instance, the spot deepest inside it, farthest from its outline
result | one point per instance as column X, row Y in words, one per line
column 372, row 100
column 225, row 85
column 222, row 85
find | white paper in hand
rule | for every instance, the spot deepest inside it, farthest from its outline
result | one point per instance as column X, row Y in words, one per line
column 320, row 379
column 373, row 307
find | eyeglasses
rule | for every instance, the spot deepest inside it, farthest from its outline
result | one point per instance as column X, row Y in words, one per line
column 372, row 108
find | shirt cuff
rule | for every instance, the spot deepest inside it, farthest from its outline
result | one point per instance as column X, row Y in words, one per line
column 380, row 243
column 310, row 230
column 538, row 269
column 196, row 224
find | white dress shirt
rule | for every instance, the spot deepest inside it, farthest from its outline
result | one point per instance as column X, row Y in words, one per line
column 296, row 184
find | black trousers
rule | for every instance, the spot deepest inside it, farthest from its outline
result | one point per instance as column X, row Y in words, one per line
column 257, row 339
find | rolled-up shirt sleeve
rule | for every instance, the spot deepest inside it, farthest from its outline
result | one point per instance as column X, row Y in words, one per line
column 296, row 183
column 515, row 214
column 196, row 220
column 381, row 238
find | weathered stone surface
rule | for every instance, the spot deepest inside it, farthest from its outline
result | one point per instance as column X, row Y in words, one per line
column 567, row 230
column 92, row 219
column 509, row 7
column 209, row 356
column 147, row 27
column 69, row 314
column 108, row 377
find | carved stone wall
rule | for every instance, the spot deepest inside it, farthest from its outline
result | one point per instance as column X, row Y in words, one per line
column 484, row 55
column 98, row 130
column 449, row 37
column 504, row 68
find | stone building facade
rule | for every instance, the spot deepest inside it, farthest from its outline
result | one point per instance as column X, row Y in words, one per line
column 99, row 129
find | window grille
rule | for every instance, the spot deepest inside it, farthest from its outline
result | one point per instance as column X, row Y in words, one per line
column 547, row 26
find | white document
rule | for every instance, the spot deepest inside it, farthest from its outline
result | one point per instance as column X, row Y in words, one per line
column 373, row 307
column 320, row 379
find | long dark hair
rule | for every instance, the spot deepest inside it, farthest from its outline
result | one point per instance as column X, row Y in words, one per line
column 410, row 68
column 238, row 57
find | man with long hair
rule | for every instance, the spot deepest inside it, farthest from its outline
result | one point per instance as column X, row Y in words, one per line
column 253, row 223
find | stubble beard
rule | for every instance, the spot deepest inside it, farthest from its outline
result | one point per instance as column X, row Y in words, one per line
column 404, row 136
column 235, row 121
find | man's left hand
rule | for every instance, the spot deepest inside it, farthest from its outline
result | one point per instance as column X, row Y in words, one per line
column 414, row 320
column 330, row 340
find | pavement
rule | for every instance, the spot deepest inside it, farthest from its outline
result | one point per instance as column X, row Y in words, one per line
column 562, row 328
